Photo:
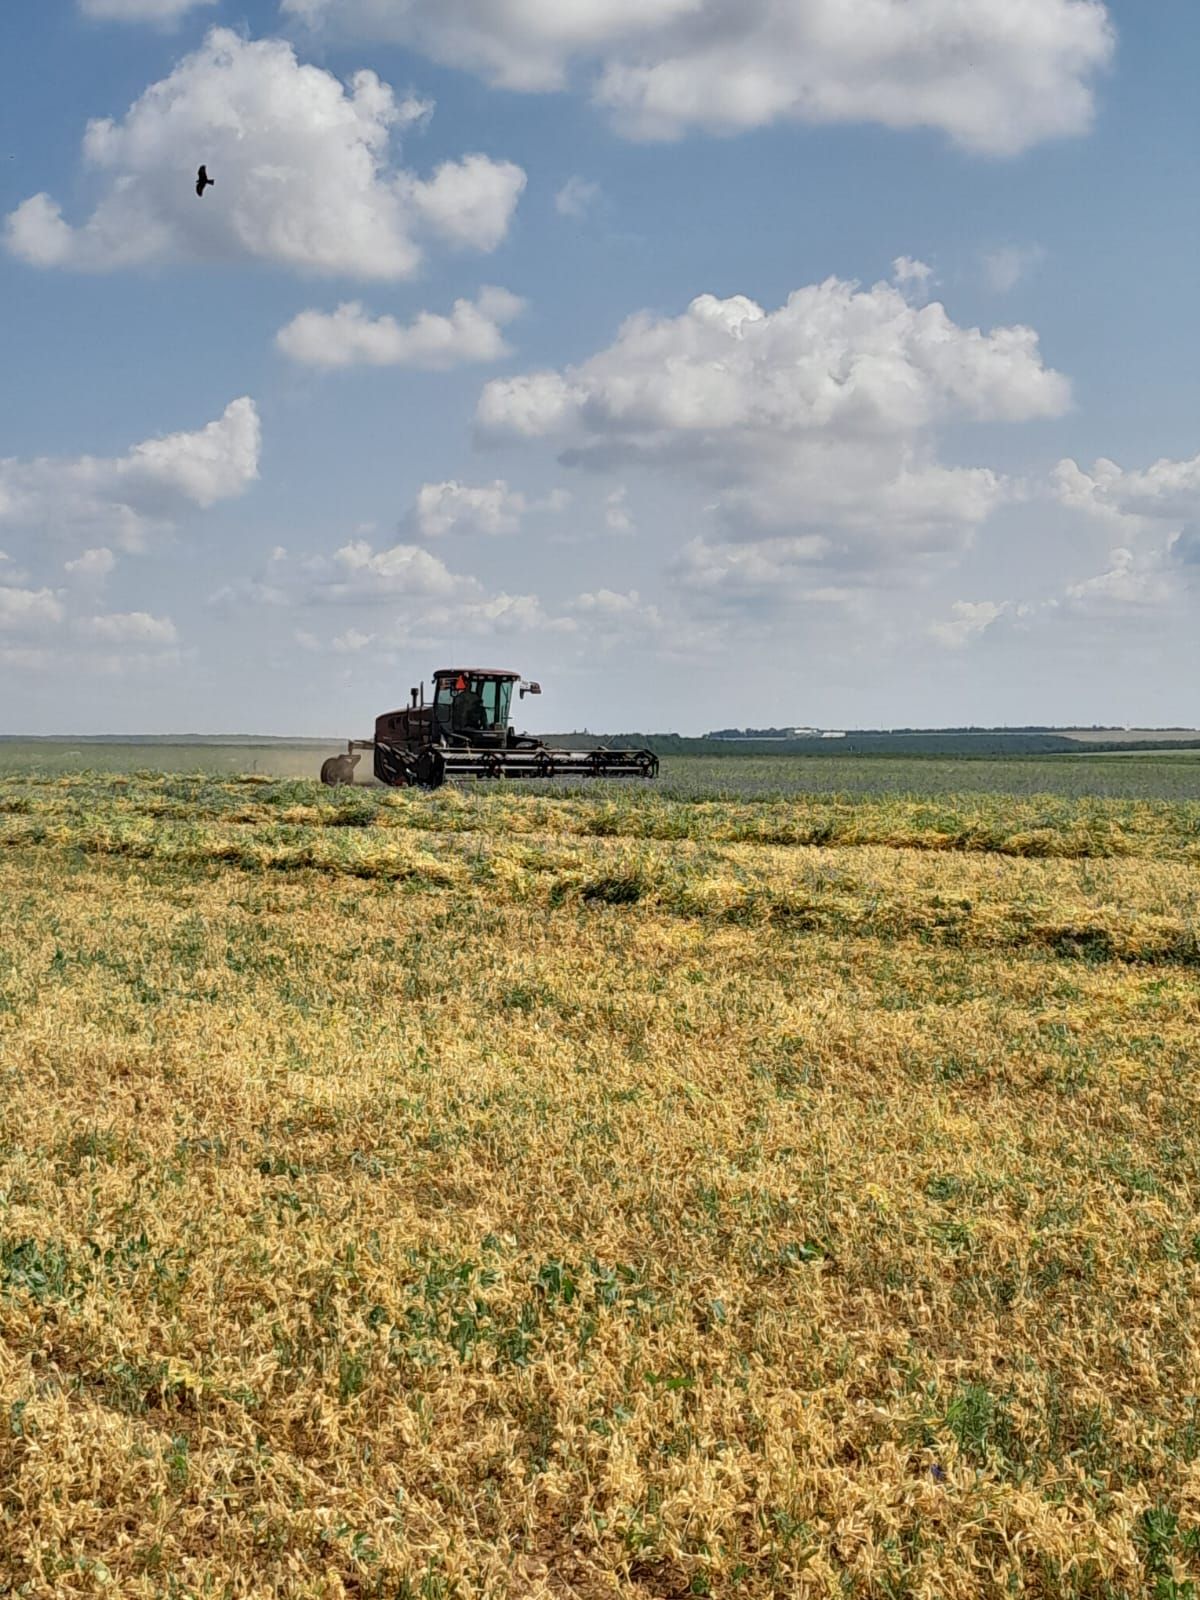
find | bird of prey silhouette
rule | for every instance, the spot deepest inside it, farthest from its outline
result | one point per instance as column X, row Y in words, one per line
column 203, row 181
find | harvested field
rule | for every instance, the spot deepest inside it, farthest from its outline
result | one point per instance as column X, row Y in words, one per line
column 501, row 1195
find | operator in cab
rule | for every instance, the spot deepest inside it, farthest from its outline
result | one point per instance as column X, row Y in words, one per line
column 467, row 714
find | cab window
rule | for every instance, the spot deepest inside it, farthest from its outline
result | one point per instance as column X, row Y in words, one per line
column 496, row 695
column 466, row 704
column 486, row 690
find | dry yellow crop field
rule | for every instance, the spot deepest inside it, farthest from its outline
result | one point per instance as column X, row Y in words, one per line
column 500, row 1195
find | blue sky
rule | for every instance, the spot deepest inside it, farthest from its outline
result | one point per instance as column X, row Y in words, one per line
column 894, row 296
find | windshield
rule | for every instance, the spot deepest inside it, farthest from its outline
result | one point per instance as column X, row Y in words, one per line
column 501, row 699
column 471, row 704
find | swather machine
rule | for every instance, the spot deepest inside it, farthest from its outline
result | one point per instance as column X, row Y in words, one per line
column 465, row 732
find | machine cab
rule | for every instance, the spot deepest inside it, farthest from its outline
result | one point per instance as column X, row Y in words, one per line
column 471, row 705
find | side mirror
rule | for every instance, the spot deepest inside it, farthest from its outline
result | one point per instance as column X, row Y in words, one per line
column 530, row 688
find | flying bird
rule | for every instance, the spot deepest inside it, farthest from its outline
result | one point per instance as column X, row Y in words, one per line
column 203, row 181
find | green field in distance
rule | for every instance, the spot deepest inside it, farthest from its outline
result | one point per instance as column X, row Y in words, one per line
column 1159, row 775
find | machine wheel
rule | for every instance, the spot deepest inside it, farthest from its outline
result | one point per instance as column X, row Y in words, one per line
column 431, row 769
column 338, row 771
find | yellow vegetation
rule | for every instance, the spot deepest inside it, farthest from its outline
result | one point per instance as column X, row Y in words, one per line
column 493, row 1195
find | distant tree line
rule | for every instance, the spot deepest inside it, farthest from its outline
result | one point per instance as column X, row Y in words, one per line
column 752, row 733
column 982, row 743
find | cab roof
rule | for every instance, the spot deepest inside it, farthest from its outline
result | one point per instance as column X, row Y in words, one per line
column 476, row 672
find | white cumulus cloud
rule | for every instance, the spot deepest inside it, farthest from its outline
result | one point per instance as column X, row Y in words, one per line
column 1130, row 583
column 494, row 615
column 995, row 75
column 968, row 619
column 819, row 418
column 303, row 175
column 453, row 507
column 621, row 619
column 29, row 610
column 93, row 566
column 912, row 275
column 1165, row 493
column 1155, row 511
column 834, row 355
column 468, row 203
column 163, row 12
column 358, row 572
column 130, row 627
column 129, row 497
column 428, row 602
column 349, row 336
column 608, row 603
column 758, row 576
